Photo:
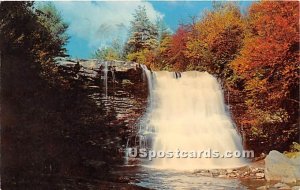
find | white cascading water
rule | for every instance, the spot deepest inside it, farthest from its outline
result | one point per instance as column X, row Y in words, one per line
column 148, row 74
column 189, row 114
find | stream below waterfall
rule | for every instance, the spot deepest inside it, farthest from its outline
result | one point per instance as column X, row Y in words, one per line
column 151, row 178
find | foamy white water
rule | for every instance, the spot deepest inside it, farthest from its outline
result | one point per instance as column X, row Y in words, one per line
column 189, row 114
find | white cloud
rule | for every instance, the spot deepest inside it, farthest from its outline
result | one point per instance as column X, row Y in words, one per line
column 100, row 22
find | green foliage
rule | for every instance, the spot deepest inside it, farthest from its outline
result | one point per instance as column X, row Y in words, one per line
column 28, row 47
column 294, row 151
column 295, row 147
column 143, row 34
column 113, row 52
column 26, row 30
column 49, row 17
column 162, row 29
column 106, row 53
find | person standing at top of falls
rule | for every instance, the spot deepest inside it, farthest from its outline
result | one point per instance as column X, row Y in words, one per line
column 77, row 67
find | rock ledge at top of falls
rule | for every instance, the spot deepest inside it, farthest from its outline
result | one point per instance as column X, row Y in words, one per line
column 279, row 167
column 95, row 63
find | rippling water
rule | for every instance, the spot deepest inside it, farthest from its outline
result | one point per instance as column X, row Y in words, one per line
column 170, row 179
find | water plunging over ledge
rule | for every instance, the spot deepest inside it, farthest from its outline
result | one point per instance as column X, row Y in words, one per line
column 186, row 111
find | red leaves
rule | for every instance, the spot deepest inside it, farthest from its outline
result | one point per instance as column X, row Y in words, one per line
column 179, row 40
column 177, row 48
column 269, row 59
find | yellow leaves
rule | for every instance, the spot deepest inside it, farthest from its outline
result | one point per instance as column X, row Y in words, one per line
column 256, row 84
column 216, row 39
column 111, row 55
column 196, row 49
column 132, row 56
column 145, row 57
column 216, row 22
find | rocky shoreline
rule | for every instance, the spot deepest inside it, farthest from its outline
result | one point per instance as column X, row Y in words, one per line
column 246, row 172
column 263, row 172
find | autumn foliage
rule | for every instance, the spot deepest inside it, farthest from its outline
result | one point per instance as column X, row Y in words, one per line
column 269, row 60
column 255, row 55
column 269, row 66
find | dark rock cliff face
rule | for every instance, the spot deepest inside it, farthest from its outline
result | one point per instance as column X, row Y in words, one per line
column 120, row 91
column 66, row 138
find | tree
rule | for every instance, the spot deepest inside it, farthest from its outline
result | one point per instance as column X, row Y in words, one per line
column 163, row 30
column 107, row 53
column 143, row 33
column 114, row 51
column 177, row 48
column 27, row 49
column 269, row 66
column 49, row 17
column 163, row 52
column 216, row 40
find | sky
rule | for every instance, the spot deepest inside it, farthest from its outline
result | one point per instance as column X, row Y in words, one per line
column 94, row 24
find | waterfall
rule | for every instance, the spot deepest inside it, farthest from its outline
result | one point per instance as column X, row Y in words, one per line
column 148, row 74
column 113, row 75
column 189, row 115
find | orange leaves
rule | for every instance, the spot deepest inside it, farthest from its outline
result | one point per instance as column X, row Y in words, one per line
column 269, row 59
column 270, row 44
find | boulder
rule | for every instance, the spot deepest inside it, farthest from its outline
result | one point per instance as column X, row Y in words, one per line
column 279, row 167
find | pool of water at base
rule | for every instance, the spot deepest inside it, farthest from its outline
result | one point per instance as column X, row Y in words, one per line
column 167, row 179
